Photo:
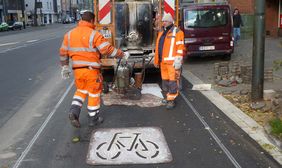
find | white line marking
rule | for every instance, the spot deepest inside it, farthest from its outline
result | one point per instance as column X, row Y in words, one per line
column 5, row 44
column 26, row 45
column 30, row 41
column 226, row 151
column 27, row 149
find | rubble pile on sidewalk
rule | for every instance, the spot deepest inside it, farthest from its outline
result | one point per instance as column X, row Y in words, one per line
column 230, row 74
column 233, row 81
column 261, row 112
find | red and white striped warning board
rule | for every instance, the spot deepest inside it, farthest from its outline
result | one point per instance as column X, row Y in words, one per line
column 169, row 7
column 104, row 11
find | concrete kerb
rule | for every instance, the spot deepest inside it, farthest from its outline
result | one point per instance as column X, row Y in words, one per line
column 246, row 123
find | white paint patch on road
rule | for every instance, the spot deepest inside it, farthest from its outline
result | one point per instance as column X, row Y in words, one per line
column 136, row 145
column 152, row 88
column 31, row 41
column 5, row 44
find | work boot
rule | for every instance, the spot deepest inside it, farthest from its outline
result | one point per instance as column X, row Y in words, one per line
column 95, row 120
column 170, row 104
column 74, row 120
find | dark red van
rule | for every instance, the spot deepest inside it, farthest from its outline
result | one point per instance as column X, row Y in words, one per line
column 208, row 30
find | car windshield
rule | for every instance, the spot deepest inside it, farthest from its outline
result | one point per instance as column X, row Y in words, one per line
column 205, row 18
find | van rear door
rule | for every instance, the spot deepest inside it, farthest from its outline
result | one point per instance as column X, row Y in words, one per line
column 208, row 30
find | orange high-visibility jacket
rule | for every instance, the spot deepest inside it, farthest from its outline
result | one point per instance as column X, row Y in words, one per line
column 85, row 45
column 173, row 46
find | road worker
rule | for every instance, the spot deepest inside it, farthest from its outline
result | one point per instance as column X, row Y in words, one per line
column 169, row 58
column 84, row 45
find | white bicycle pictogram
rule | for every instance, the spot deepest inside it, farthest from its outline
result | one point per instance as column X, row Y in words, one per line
column 143, row 148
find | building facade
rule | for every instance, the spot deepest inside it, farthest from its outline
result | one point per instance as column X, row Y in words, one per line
column 47, row 12
column 11, row 10
column 23, row 10
column 73, row 7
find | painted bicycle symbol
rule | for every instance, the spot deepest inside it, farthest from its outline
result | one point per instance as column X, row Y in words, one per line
column 143, row 148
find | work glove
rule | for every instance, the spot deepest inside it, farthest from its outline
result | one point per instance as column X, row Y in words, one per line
column 119, row 54
column 125, row 57
column 177, row 62
column 65, row 72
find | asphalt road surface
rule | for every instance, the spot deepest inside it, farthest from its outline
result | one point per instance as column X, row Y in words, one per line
column 35, row 131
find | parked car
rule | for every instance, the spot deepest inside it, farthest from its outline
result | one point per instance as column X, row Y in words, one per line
column 15, row 25
column 4, row 26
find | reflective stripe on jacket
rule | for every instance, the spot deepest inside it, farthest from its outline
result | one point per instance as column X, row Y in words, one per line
column 173, row 46
column 85, row 45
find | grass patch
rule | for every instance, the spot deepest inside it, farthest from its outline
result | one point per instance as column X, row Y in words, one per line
column 268, row 147
column 277, row 64
column 276, row 127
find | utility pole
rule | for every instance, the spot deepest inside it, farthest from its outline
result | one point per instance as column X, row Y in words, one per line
column 258, row 51
column 41, row 15
column 23, row 15
column 35, row 13
column 4, row 11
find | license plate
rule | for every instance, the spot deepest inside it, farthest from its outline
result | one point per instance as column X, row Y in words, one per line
column 206, row 48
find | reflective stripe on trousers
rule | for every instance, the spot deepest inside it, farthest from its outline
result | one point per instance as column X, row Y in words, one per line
column 89, row 83
column 169, row 81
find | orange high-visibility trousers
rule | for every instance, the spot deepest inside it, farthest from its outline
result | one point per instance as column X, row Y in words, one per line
column 169, row 81
column 88, row 83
